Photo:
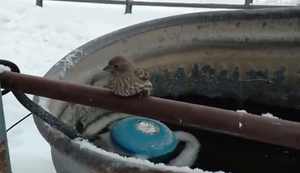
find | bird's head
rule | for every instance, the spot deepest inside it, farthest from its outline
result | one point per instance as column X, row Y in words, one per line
column 118, row 64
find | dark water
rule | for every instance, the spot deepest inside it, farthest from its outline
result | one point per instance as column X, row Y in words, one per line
column 237, row 155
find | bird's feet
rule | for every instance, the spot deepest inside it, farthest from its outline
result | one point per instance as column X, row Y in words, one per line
column 143, row 93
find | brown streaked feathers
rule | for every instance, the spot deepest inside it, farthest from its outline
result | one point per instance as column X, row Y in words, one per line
column 125, row 79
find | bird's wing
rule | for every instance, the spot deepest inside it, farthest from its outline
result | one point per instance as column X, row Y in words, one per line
column 141, row 74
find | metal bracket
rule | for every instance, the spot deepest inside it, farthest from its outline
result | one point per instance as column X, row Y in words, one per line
column 248, row 3
column 5, row 166
column 39, row 3
column 128, row 7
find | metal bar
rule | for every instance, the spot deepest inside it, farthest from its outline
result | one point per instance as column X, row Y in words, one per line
column 263, row 129
column 175, row 4
column 4, row 153
column 128, row 7
column 247, row 4
column 39, row 3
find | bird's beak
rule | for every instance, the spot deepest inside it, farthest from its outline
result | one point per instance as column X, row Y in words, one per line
column 107, row 68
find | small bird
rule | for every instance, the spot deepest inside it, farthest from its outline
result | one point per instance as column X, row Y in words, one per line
column 125, row 79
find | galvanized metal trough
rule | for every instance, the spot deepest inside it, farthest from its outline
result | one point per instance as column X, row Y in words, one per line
column 244, row 59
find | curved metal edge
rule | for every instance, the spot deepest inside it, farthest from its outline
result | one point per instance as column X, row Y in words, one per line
column 59, row 142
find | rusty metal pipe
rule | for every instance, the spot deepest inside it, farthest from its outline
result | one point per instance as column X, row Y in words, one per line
column 263, row 129
column 5, row 166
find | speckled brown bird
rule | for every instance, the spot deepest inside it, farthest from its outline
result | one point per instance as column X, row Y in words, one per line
column 126, row 79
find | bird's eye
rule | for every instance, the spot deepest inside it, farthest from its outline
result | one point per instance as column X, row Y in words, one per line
column 116, row 66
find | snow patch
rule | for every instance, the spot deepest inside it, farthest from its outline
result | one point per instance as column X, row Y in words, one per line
column 147, row 127
column 242, row 111
column 189, row 154
column 84, row 144
column 269, row 115
column 102, row 122
column 4, row 68
column 70, row 61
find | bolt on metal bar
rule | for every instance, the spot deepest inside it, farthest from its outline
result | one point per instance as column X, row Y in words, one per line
column 258, row 128
column 5, row 166
column 247, row 4
column 39, row 3
column 130, row 3
column 128, row 7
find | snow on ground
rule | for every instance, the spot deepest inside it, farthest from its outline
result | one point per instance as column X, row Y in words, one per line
column 35, row 39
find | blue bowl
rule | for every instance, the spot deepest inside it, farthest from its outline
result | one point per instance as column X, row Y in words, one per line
column 143, row 137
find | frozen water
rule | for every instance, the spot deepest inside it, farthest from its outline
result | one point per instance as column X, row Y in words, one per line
column 4, row 68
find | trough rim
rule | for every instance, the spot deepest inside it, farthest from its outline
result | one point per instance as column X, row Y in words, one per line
column 59, row 142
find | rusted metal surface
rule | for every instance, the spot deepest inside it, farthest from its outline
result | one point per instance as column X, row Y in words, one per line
column 4, row 154
column 273, row 131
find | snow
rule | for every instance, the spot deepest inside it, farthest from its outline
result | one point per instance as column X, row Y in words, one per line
column 189, row 154
column 147, row 127
column 136, row 162
column 4, row 68
column 241, row 111
column 99, row 124
column 269, row 115
column 69, row 62
column 35, row 39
